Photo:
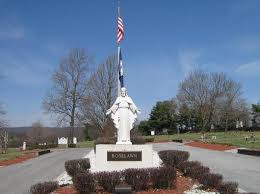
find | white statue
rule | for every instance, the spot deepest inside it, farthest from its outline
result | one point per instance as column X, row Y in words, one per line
column 124, row 114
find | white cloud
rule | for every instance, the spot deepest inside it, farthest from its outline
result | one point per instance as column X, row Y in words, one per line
column 250, row 69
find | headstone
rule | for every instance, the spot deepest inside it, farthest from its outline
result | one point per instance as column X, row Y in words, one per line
column 241, row 124
column 24, row 146
column 237, row 124
column 62, row 141
column 74, row 140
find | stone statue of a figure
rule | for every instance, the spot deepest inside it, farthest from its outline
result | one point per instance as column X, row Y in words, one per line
column 124, row 114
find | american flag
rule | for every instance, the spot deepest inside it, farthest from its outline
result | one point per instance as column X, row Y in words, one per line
column 120, row 31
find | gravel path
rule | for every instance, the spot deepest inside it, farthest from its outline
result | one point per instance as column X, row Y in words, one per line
column 17, row 178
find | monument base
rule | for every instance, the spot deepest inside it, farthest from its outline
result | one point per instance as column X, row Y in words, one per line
column 111, row 157
column 124, row 143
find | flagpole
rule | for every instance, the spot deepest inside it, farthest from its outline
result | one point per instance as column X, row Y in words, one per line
column 118, row 59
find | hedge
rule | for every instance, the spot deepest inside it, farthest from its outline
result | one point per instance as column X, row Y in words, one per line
column 44, row 188
column 163, row 177
column 84, row 183
column 173, row 157
column 74, row 167
column 108, row 180
column 137, row 178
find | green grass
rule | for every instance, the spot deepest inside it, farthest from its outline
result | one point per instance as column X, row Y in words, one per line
column 236, row 138
column 11, row 154
column 86, row 144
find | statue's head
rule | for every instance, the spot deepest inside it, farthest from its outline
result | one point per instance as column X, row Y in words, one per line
column 123, row 92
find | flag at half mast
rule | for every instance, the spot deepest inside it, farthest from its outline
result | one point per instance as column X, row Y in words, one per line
column 120, row 36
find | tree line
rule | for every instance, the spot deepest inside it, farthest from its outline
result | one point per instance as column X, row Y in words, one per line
column 82, row 91
column 204, row 101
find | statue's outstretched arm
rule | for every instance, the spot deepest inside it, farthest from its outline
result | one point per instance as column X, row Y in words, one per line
column 114, row 107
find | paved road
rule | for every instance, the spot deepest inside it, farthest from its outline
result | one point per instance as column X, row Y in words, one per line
column 235, row 167
column 17, row 179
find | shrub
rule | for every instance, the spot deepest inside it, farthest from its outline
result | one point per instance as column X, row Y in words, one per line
column 149, row 139
column 137, row 140
column 72, row 145
column 74, row 167
column 44, row 188
column 228, row 188
column 108, row 180
column 186, row 165
column 84, row 183
column 198, row 172
column 43, row 152
column 173, row 157
column 36, row 146
column 104, row 140
column 137, row 178
column 178, row 140
column 163, row 177
column 211, row 180
column 193, row 169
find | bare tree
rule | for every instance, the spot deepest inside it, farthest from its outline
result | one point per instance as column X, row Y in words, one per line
column 69, row 88
column 37, row 134
column 200, row 91
column 231, row 107
column 101, row 94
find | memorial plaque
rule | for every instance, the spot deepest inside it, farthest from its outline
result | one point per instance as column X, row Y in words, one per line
column 124, row 156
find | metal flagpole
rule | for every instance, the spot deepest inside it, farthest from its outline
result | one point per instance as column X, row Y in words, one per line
column 118, row 63
column 118, row 57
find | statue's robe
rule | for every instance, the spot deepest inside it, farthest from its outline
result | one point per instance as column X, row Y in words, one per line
column 124, row 114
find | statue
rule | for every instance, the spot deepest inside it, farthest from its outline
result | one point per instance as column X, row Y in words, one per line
column 123, row 113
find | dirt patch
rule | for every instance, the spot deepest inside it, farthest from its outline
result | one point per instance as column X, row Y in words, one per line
column 218, row 147
column 19, row 159
column 65, row 190
column 182, row 184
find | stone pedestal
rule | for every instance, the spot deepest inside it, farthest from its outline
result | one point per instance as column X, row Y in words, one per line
column 111, row 157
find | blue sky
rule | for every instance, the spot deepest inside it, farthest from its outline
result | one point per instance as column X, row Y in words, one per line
column 164, row 41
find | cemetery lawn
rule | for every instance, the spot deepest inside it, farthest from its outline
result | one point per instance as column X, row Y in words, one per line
column 233, row 138
column 86, row 144
column 11, row 154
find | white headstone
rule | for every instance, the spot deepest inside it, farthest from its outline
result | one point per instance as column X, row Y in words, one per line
column 237, row 124
column 74, row 140
column 241, row 124
column 62, row 141
column 24, row 145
